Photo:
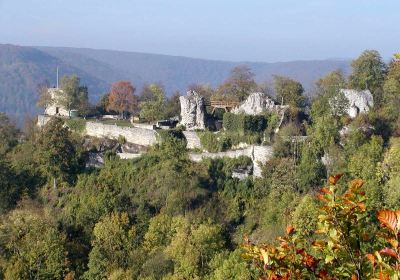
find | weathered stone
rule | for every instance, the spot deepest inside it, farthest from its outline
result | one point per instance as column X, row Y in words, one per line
column 95, row 160
column 257, row 103
column 359, row 101
column 192, row 140
column 192, row 111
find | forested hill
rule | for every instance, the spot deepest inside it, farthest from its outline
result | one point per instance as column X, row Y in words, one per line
column 23, row 68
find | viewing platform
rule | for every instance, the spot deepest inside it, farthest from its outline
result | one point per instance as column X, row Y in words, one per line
column 223, row 104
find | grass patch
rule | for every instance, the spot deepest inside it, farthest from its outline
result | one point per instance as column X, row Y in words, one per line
column 125, row 123
column 77, row 125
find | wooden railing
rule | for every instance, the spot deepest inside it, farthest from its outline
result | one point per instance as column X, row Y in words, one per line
column 223, row 104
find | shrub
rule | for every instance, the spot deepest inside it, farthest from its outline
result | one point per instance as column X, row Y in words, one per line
column 76, row 125
column 244, row 123
column 347, row 243
column 214, row 142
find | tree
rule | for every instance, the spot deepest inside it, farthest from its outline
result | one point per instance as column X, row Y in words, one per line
column 329, row 99
column 172, row 107
column 111, row 246
column 369, row 72
column 391, row 91
column 31, row 246
column 364, row 161
column 152, row 110
column 122, row 99
column 45, row 99
column 204, row 90
column 74, row 95
column 103, row 104
column 289, row 91
column 192, row 248
column 9, row 191
column 230, row 266
column 334, row 79
column 311, row 170
column 57, row 155
column 239, row 84
column 9, row 134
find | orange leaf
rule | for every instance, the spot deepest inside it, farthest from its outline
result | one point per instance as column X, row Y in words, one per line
column 310, row 261
column 325, row 190
column 356, row 184
column 354, row 277
column 284, row 245
column 389, row 252
column 389, row 219
column 383, row 276
column 289, row 229
column 371, row 258
column 333, row 179
column 362, row 206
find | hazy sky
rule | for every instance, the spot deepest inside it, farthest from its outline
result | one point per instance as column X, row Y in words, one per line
column 239, row 30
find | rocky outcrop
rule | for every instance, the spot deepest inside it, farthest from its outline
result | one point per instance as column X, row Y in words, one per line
column 258, row 103
column 359, row 101
column 192, row 111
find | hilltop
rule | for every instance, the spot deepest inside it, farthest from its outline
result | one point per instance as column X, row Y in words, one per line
column 23, row 68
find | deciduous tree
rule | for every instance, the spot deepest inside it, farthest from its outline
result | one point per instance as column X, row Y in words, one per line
column 239, row 84
column 121, row 98
column 369, row 72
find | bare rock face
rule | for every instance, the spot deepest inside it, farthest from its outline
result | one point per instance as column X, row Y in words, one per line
column 192, row 111
column 257, row 103
column 359, row 101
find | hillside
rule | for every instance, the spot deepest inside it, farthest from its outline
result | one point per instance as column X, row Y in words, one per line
column 23, row 68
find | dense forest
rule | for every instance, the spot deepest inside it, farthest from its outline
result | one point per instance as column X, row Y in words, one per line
column 163, row 216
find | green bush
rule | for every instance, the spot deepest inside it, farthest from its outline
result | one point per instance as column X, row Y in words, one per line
column 244, row 123
column 214, row 142
column 76, row 125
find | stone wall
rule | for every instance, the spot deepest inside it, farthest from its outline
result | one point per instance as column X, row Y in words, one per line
column 192, row 139
column 258, row 154
column 135, row 135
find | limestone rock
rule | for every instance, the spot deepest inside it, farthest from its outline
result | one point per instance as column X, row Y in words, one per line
column 359, row 101
column 192, row 111
column 257, row 103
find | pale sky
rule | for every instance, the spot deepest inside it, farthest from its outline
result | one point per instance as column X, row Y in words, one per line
column 237, row 30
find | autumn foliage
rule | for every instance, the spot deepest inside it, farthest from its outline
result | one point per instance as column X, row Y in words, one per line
column 121, row 98
column 348, row 244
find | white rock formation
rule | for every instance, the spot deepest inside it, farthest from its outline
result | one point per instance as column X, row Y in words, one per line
column 257, row 103
column 359, row 101
column 192, row 111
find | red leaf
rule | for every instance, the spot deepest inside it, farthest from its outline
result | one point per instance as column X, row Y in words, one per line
column 388, row 252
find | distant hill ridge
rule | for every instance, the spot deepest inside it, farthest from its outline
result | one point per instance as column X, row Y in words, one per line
column 23, row 68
